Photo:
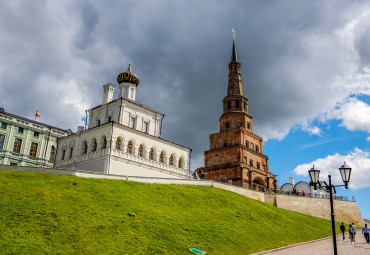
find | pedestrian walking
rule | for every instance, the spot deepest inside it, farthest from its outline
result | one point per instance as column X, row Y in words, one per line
column 366, row 231
column 350, row 232
column 354, row 232
column 343, row 229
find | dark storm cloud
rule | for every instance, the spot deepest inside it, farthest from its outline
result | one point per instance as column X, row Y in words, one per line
column 60, row 54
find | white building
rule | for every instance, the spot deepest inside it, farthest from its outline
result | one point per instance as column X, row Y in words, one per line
column 304, row 188
column 123, row 138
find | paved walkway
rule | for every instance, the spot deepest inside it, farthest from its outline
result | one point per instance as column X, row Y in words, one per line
column 325, row 247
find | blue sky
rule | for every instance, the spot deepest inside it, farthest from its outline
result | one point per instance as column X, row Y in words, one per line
column 300, row 147
column 305, row 70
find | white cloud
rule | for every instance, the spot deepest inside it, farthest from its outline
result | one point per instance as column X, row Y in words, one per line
column 313, row 130
column 368, row 139
column 355, row 115
column 357, row 159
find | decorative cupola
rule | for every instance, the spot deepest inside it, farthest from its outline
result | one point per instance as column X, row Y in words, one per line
column 128, row 81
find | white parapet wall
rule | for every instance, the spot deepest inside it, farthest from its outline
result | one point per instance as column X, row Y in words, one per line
column 346, row 211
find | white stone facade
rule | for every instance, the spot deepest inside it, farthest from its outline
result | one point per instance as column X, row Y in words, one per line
column 123, row 139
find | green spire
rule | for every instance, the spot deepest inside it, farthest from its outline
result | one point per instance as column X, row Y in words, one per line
column 234, row 56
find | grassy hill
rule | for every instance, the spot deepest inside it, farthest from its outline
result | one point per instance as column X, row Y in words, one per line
column 57, row 214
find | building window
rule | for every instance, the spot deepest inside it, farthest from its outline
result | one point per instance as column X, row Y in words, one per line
column 33, row 149
column 141, row 151
column 225, row 144
column 94, row 145
column 2, row 140
column 247, row 144
column 145, row 127
column 228, row 104
column 104, row 145
column 263, row 167
column 36, row 134
column 237, row 103
column 248, row 125
column 129, row 147
column 245, row 106
column 98, row 122
column 20, row 130
column 172, row 159
column 3, row 125
column 17, row 145
column 52, row 153
column 63, row 154
column 251, row 162
column 118, row 143
column 132, row 122
column 257, row 148
column 252, row 146
column 84, row 147
column 181, row 163
column 245, row 160
column 71, row 153
column 109, row 119
column 161, row 157
column 151, row 154
column 227, row 124
column 258, row 165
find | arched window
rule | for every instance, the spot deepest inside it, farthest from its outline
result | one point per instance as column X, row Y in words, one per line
column 181, row 163
column 52, row 153
column 237, row 103
column 141, row 151
column 104, row 145
column 129, row 147
column 94, row 145
column 162, row 157
column 151, row 154
column 118, row 143
column 172, row 159
column 84, row 147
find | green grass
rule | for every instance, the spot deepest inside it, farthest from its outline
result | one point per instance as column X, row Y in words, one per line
column 56, row 214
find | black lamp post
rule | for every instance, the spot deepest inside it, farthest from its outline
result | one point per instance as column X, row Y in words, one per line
column 345, row 172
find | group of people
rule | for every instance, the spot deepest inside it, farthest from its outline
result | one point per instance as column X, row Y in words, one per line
column 352, row 232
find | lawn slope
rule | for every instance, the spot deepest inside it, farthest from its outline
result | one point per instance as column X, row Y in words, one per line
column 56, row 214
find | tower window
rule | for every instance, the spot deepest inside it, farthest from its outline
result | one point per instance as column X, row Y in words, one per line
column 227, row 124
column 71, row 152
column 228, row 104
column 237, row 103
column 247, row 144
column 251, row 162
column 109, row 119
column 248, row 125
column 225, row 144
column 257, row 148
column 258, row 165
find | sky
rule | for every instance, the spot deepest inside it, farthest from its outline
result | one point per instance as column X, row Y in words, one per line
column 305, row 70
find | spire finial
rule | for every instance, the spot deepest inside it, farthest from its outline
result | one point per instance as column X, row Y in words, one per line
column 234, row 56
column 129, row 68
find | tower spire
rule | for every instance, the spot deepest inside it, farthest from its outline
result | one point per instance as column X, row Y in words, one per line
column 234, row 56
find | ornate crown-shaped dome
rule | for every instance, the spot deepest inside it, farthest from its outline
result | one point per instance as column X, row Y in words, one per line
column 128, row 76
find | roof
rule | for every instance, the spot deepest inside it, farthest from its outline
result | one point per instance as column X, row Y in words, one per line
column 131, row 101
column 33, row 121
column 234, row 55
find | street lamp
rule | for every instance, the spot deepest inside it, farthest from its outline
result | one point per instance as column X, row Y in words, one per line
column 345, row 172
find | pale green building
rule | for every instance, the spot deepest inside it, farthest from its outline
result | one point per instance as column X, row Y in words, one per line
column 26, row 142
